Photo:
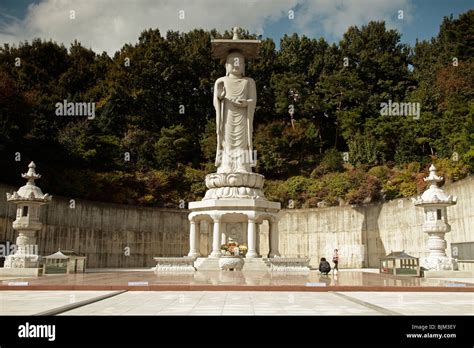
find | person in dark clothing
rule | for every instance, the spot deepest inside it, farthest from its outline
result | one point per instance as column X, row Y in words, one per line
column 324, row 266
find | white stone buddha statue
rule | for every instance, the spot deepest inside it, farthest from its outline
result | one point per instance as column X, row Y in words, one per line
column 235, row 97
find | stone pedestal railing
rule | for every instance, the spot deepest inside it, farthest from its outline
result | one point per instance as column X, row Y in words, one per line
column 174, row 264
column 289, row 264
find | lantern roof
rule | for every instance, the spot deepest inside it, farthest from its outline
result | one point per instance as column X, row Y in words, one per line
column 29, row 192
column 433, row 178
column 434, row 195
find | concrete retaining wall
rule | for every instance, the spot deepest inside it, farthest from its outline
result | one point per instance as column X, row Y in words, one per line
column 362, row 234
column 103, row 231
column 365, row 233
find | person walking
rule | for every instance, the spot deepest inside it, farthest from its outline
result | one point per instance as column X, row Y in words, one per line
column 335, row 259
column 324, row 266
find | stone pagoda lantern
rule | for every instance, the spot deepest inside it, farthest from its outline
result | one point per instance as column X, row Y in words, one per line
column 435, row 201
column 29, row 199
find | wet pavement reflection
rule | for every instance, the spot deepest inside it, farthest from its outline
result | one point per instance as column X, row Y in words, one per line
column 314, row 278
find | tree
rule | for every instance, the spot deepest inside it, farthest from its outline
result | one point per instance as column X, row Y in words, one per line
column 173, row 147
column 283, row 150
column 154, row 131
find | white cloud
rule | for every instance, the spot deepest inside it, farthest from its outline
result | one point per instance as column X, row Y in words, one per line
column 106, row 25
column 335, row 16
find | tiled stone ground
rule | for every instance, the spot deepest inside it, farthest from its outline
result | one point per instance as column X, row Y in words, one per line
column 412, row 303
column 33, row 302
column 240, row 303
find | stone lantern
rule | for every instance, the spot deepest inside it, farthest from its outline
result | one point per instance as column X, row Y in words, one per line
column 29, row 199
column 435, row 201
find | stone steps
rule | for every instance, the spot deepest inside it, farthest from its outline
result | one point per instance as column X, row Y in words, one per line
column 206, row 264
column 256, row 265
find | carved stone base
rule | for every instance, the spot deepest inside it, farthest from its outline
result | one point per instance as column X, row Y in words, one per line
column 253, row 180
column 234, row 185
column 234, row 192
column 439, row 263
column 22, row 261
column 174, row 264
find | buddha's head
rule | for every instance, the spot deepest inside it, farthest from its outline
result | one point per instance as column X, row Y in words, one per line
column 235, row 64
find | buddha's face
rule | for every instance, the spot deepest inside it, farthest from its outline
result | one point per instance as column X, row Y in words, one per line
column 235, row 64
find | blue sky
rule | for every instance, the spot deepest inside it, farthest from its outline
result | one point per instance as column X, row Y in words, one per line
column 106, row 25
column 427, row 16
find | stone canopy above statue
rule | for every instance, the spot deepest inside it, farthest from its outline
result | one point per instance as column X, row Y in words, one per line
column 250, row 49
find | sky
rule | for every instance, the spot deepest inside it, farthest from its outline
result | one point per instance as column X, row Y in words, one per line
column 106, row 25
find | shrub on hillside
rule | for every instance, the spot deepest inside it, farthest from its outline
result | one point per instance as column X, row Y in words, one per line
column 451, row 170
column 367, row 191
column 116, row 186
column 381, row 172
column 195, row 180
column 332, row 162
column 276, row 190
column 156, row 183
column 402, row 182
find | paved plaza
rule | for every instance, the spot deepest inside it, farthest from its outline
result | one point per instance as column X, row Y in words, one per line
column 353, row 280
column 233, row 303
column 142, row 292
